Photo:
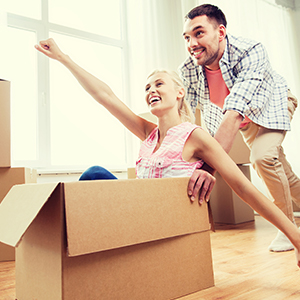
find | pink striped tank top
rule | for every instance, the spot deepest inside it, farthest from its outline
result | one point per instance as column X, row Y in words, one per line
column 167, row 161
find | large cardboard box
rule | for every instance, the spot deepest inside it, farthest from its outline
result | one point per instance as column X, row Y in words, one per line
column 8, row 178
column 109, row 239
column 5, row 143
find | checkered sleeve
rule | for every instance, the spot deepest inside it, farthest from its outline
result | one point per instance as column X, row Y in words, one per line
column 249, row 73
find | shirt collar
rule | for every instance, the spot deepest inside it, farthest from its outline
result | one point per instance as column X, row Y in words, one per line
column 225, row 57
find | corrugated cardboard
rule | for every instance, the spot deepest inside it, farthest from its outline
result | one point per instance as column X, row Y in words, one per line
column 5, row 143
column 226, row 206
column 8, row 178
column 110, row 239
column 295, row 207
column 131, row 174
column 12, row 176
column 239, row 151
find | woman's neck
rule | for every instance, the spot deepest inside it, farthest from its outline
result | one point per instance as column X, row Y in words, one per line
column 165, row 123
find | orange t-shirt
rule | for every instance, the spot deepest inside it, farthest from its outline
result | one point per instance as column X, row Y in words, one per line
column 218, row 90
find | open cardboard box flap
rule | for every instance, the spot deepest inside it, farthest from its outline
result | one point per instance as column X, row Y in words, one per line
column 107, row 214
column 19, row 208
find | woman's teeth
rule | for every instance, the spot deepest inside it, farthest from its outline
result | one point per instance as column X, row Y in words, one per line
column 154, row 99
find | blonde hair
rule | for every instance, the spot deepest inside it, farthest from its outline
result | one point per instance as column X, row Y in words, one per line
column 184, row 109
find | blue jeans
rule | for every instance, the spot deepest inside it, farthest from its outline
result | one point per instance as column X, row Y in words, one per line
column 97, row 173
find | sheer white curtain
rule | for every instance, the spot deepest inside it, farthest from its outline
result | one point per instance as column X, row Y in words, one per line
column 155, row 41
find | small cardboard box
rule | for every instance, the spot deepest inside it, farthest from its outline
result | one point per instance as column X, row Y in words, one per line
column 109, row 239
column 295, row 207
column 5, row 144
column 8, row 178
column 226, row 206
column 239, row 151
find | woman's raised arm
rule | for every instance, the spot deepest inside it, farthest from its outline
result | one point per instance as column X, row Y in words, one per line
column 99, row 90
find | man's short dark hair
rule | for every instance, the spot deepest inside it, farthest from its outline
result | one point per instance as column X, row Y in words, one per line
column 211, row 11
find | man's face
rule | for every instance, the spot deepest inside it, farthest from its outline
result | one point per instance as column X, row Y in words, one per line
column 202, row 37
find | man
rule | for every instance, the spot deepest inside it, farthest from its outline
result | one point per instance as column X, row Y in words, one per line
column 232, row 80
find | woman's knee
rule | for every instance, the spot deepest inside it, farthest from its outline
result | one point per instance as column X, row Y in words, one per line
column 97, row 173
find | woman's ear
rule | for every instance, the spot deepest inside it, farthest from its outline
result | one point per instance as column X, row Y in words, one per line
column 181, row 93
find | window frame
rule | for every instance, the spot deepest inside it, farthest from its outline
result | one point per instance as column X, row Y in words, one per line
column 42, row 29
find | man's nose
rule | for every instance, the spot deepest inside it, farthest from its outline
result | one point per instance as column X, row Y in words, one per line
column 192, row 42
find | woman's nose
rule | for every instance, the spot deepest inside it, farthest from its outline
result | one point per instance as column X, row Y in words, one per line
column 152, row 90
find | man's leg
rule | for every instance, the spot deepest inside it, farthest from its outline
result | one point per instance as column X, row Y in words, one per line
column 266, row 155
column 293, row 179
column 269, row 161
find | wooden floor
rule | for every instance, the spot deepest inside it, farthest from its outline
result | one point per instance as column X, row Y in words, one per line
column 244, row 269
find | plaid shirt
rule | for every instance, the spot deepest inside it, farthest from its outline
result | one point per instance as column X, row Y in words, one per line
column 256, row 91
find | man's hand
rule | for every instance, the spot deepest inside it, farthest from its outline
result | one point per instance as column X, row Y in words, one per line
column 201, row 182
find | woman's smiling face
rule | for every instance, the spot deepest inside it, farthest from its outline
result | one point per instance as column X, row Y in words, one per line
column 161, row 92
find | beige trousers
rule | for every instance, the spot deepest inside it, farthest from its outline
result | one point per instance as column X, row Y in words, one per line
column 269, row 161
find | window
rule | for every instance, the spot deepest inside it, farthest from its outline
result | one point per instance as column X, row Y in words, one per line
column 23, row 76
column 55, row 123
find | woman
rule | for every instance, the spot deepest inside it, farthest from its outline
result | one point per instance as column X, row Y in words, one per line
column 174, row 147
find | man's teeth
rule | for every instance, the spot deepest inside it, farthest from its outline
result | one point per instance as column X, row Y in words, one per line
column 195, row 53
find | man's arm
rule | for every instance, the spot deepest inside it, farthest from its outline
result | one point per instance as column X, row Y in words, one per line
column 228, row 129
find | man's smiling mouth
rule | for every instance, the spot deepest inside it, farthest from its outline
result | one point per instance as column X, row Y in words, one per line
column 197, row 53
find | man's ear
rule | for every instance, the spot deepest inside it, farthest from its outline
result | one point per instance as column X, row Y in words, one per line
column 222, row 32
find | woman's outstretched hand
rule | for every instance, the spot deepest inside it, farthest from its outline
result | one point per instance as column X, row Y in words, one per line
column 50, row 49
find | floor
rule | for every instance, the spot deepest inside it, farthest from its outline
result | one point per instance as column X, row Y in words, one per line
column 244, row 269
